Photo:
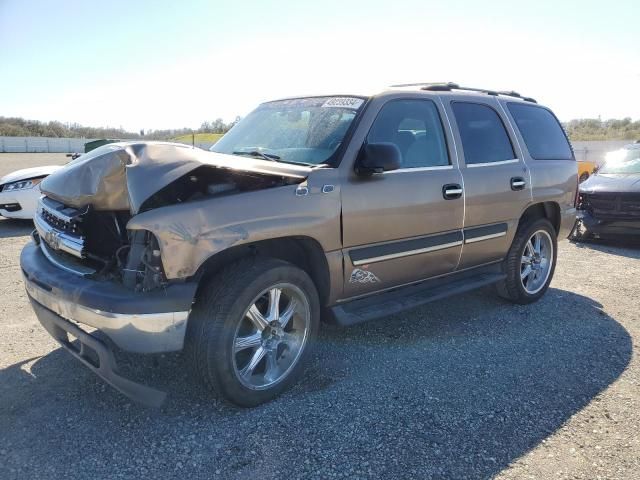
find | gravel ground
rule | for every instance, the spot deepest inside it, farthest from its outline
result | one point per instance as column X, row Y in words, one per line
column 470, row 387
column 10, row 162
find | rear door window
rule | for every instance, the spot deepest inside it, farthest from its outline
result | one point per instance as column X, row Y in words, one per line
column 541, row 132
column 484, row 137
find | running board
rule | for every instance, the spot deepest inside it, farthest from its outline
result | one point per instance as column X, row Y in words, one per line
column 395, row 301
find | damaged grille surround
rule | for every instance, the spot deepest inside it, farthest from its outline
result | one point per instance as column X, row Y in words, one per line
column 60, row 233
column 611, row 205
column 58, row 229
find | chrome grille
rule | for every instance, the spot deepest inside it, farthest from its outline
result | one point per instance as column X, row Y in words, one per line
column 60, row 227
column 58, row 223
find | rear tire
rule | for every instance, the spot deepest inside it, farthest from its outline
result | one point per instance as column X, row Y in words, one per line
column 252, row 329
column 530, row 263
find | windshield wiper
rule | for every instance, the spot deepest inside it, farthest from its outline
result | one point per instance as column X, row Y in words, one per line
column 275, row 158
column 258, row 153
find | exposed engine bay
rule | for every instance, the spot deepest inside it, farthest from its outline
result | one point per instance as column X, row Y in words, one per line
column 79, row 229
column 207, row 182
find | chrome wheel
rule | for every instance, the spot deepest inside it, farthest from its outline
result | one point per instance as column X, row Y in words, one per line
column 271, row 336
column 536, row 262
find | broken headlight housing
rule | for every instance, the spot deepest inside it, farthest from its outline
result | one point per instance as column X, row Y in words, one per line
column 143, row 267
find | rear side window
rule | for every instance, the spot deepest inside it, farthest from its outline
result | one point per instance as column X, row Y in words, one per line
column 484, row 137
column 541, row 132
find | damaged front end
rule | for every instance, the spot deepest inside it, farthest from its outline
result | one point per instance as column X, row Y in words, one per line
column 83, row 219
column 607, row 214
column 91, row 266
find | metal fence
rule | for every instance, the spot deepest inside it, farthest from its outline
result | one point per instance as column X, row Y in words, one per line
column 42, row 144
column 56, row 145
column 593, row 150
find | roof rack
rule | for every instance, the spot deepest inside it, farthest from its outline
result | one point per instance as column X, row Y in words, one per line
column 448, row 86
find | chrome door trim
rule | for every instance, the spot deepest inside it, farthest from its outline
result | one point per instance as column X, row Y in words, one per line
column 485, row 232
column 408, row 253
column 420, row 169
column 484, row 237
column 488, row 164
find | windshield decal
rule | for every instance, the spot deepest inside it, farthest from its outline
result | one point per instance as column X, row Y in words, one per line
column 343, row 102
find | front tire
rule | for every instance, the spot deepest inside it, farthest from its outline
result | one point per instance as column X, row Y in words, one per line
column 530, row 263
column 252, row 329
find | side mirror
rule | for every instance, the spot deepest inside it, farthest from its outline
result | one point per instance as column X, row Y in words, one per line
column 378, row 158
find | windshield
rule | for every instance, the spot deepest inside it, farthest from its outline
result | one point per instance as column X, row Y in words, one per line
column 302, row 130
column 626, row 160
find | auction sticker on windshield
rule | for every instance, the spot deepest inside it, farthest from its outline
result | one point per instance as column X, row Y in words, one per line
column 344, row 102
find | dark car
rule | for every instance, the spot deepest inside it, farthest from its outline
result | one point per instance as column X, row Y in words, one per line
column 609, row 202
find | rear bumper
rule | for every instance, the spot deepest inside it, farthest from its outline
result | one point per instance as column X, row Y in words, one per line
column 137, row 322
column 600, row 227
column 567, row 222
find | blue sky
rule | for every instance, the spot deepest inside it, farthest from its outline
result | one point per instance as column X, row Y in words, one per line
column 159, row 64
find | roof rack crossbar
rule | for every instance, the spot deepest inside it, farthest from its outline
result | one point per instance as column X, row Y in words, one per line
column 448, row 86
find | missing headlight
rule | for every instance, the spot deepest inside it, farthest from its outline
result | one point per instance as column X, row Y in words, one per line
column 143, row 268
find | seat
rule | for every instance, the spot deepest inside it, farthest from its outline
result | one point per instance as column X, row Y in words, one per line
column 424, row 152
column 404, row 139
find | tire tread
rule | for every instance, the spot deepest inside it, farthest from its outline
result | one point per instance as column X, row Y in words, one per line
column 209, row 316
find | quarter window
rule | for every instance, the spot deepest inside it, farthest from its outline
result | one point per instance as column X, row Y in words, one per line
column 415, row 127
column 541, row 132
column 484, row 137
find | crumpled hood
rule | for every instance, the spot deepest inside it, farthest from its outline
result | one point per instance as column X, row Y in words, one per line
column 617, row 183
column 122, row 176
column 27, row 173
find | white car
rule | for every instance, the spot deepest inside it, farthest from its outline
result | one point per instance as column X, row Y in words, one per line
column 20, row 191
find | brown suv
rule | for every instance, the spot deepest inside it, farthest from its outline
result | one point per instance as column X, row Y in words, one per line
column 345, row 208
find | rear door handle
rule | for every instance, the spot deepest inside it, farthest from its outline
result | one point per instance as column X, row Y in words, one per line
column 517, row 183
column 451, row 191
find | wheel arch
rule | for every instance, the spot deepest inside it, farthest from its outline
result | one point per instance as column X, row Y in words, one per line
column 304, row 252
column 548, row 210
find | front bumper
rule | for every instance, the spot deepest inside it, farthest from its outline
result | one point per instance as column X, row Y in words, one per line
column 137, row 322
column 95, row 355
column 149, row 322
column 609, row 228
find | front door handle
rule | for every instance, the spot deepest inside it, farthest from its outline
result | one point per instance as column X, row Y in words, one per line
column 517, row 183
column 451, row 191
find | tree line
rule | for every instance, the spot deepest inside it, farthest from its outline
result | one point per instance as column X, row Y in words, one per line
column 20, row 127
column 597, row 129
column 583, row 129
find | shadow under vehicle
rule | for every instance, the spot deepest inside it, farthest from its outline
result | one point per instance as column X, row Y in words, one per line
column 452, row 389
